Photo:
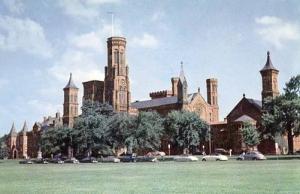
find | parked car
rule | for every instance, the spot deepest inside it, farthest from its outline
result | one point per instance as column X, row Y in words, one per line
column 185, row 158
column 56, row 161
column 156, row 154
column 108, row 159
column 252, row 155
column 128, row 157
column 40, row 161
column 89, row 160
column 221, row 151
column 27, row 161
column 215, row 157
column 72, row 161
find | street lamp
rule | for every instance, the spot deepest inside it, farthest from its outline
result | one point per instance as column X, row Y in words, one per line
column 209, row 139
column 169, row 148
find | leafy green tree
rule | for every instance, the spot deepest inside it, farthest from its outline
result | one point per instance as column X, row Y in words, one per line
column 4, row 150
column 146, row 133
column 250, row 135
column 57, row 140
column 282, row 114
column 92, row 127
column 96, row 108
column 185, row 129
column 121, row 128
column 49, row 142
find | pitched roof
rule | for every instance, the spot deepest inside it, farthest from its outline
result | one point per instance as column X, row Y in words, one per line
column 155, row 102
column 256, row 103
column 70, row 83
column 191, row 97
column 244, row 118
column 269, row 64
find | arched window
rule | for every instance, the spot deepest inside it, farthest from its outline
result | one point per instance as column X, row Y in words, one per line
column 116, row 57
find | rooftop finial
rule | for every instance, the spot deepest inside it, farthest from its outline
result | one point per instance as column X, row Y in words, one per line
column 268, row 53
column 244, row 95
column 112, row 22
column 70, row 83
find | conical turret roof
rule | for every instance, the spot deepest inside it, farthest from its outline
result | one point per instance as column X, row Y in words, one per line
column 269, row 64
column 70, row 83
column 13, row 130
column 25, row 128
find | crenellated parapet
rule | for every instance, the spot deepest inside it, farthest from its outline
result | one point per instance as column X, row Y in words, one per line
column 160, row 94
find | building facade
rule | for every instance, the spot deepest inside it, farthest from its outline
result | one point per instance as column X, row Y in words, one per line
column 178, row 98
column 24, row 143
column 227, row 134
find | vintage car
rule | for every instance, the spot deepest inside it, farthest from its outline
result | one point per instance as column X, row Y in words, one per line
column 185, row 158
column 215, row 157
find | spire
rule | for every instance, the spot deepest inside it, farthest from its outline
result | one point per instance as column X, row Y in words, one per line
column 13, row 129
column 268, row 65
column 70, row 83
column 25, row 128
column 181, row 75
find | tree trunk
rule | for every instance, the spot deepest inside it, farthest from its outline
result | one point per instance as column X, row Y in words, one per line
column 290, row 142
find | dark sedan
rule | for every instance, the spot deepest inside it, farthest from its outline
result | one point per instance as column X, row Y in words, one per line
column 89, row 160
column 252, row 155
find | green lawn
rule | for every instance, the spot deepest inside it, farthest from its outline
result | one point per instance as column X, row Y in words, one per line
column 164, row 177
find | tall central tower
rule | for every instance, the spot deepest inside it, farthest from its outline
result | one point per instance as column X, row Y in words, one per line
column 116, row 82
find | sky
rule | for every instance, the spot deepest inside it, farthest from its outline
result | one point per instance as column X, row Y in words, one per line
column 41, row 42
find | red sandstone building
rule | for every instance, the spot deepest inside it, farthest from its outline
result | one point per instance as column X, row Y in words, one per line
column 115, row 90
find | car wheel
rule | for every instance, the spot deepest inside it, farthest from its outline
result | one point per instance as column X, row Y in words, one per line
column 238, row 159
column 204, row 160
column 217, row 159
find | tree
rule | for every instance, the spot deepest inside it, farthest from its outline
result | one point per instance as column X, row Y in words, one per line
column 91, row 127
column 185, row 129
column 282, row 114
column 146, row 132
column 57, row 140
column 250, row 135
column 121, row 128
column 4, row 150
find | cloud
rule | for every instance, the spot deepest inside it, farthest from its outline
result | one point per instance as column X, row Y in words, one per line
column 83, row 65
column 23, row 34
column 276, row 31
column 146, row 41
column 87, row 9
column 94, row 40
column 87, row 41
column 14, row 6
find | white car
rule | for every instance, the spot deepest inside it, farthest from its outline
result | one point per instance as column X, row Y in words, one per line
column 185, row 159
column 215, row 157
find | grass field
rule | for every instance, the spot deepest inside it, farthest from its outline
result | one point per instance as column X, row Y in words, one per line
column 163, row 177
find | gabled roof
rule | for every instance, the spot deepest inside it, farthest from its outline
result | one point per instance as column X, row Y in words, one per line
column 154, row 102
column 70, row 83
column 256, row 103
column 269, row 64
column 244, row 118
